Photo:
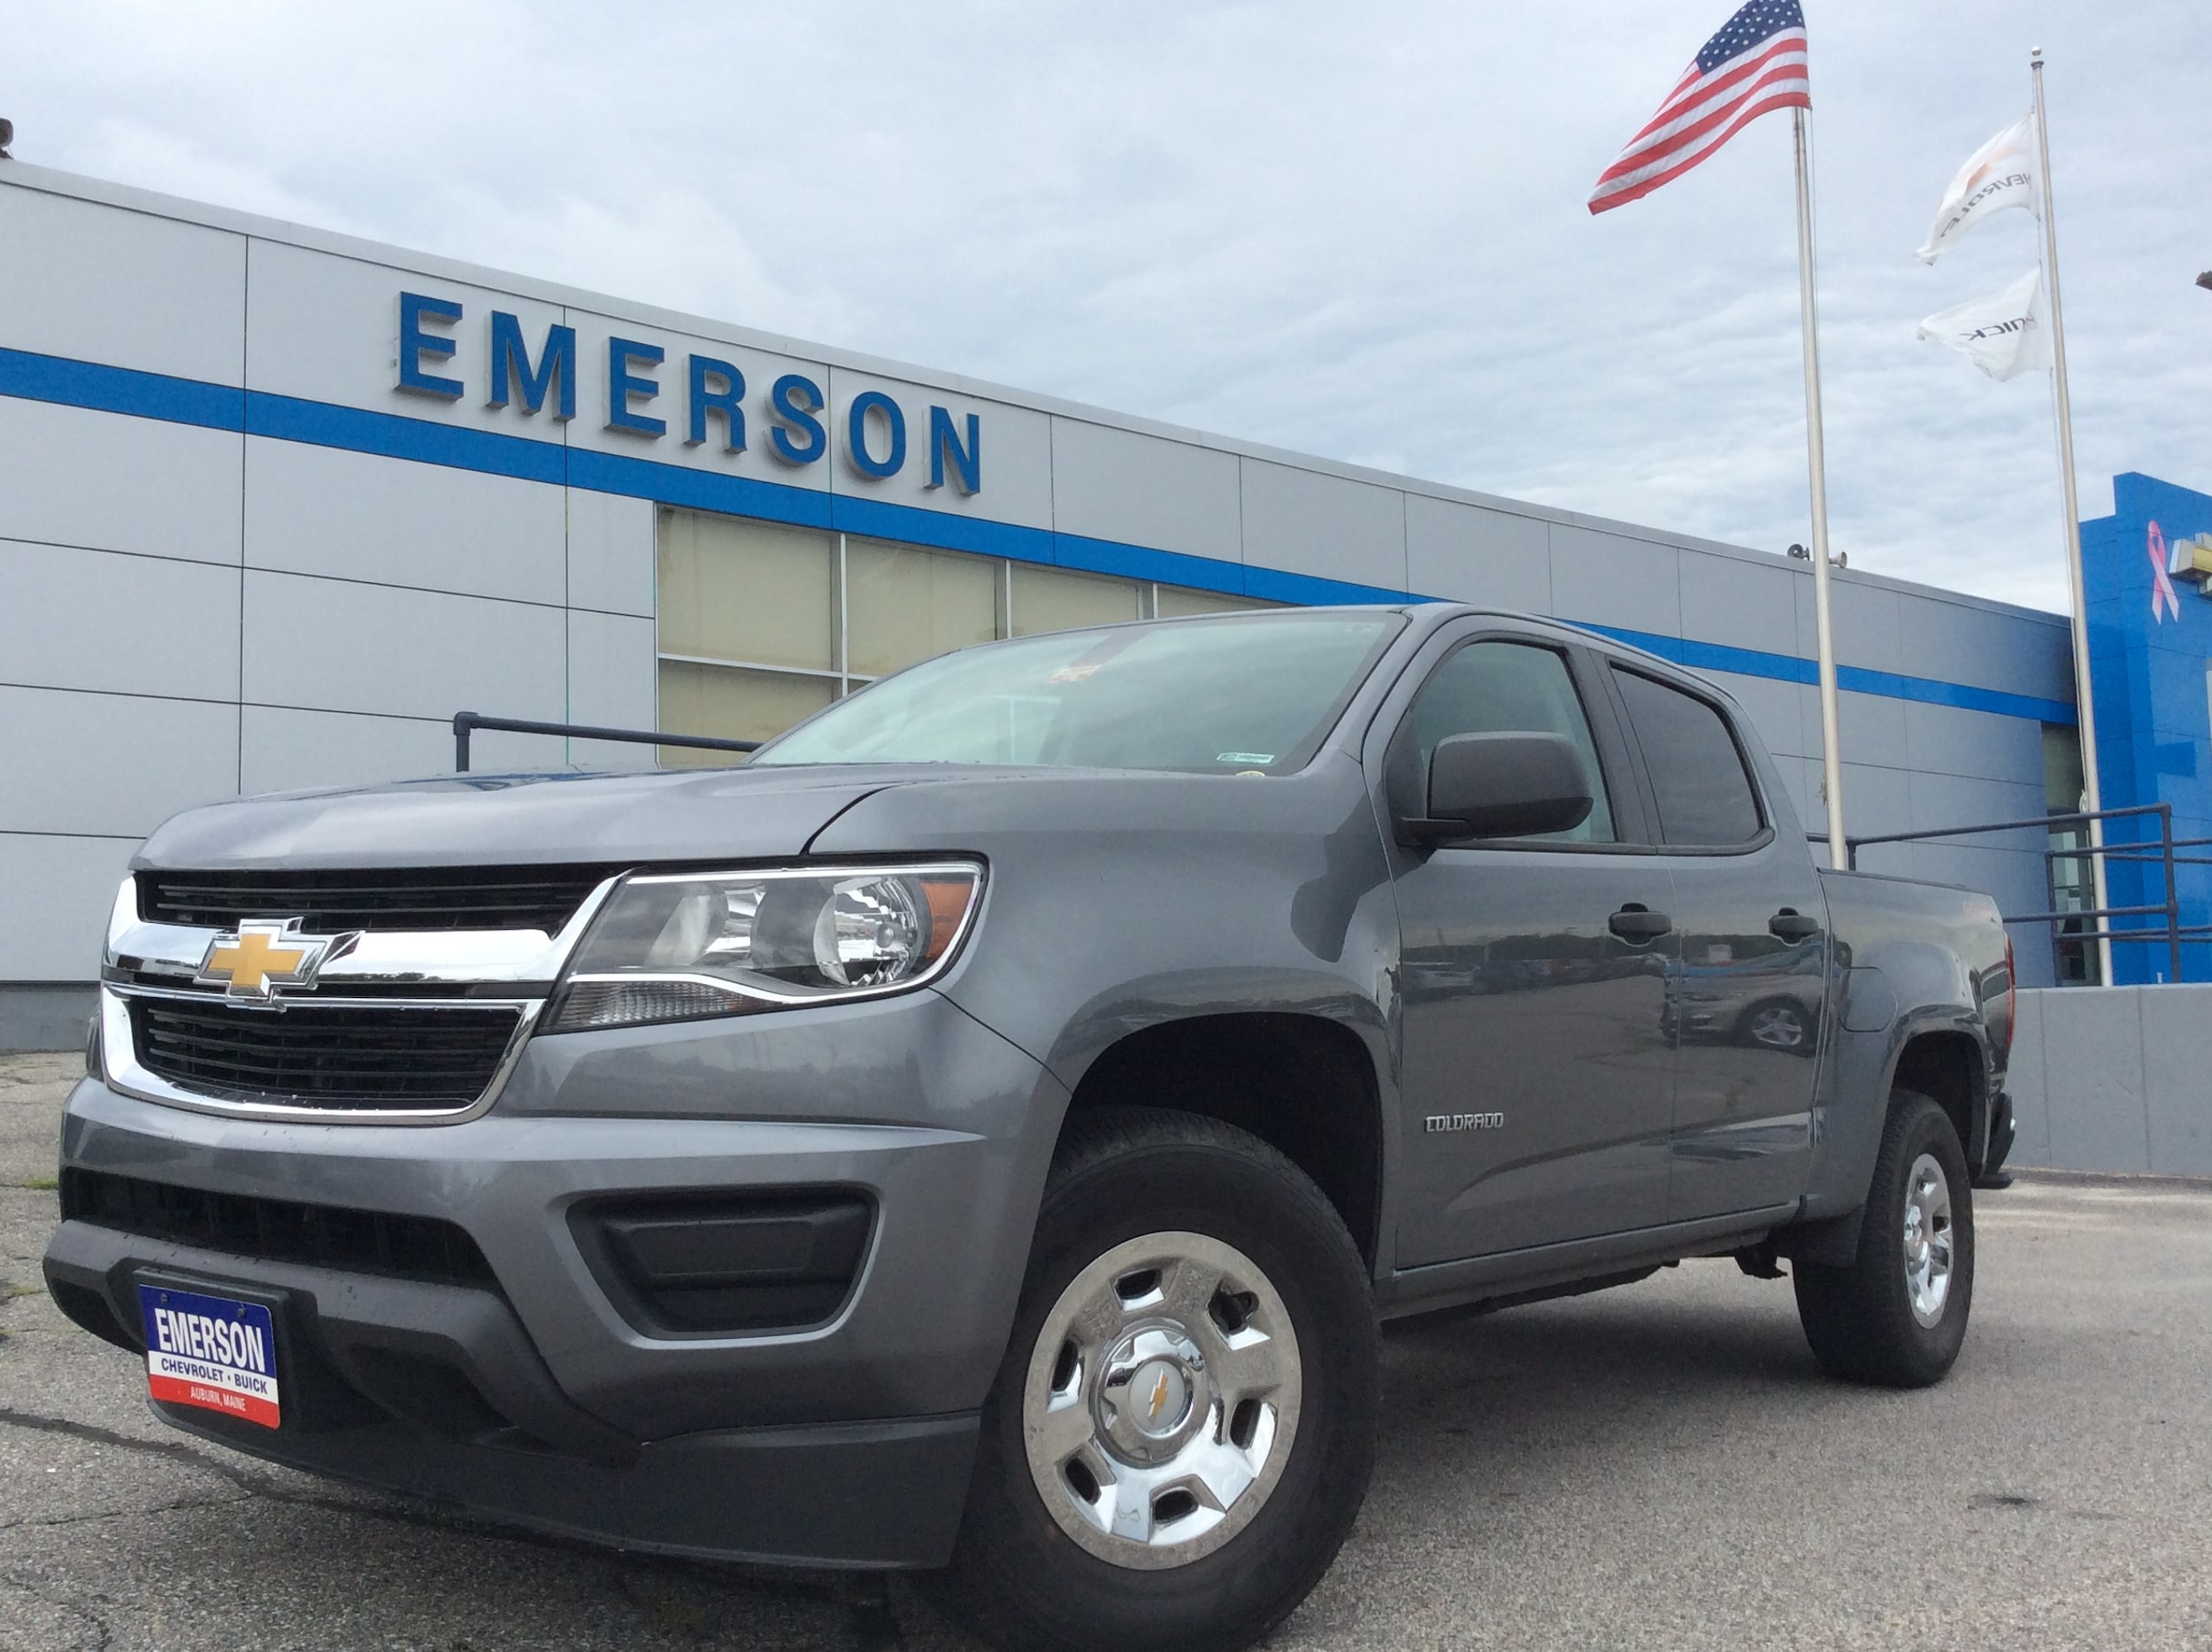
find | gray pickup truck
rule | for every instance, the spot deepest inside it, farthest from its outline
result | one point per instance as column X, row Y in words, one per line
column 984, row 1130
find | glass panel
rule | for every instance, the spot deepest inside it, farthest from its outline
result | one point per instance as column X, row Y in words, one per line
column 738, row 591
column 1697, row 775
column 1216, row 696
column 905, row 605
column 1510, row 688
column 1175, row 600
column 732, row 704
column 1048, row 599
column 2061, row 764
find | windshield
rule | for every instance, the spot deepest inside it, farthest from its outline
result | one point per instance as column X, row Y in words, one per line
column 1216, row 696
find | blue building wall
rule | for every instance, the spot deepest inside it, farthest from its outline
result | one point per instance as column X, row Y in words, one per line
column 2151, row 676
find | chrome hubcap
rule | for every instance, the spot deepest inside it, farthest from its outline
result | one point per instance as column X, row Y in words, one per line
column 1161, row 1400
column 1928, row 1239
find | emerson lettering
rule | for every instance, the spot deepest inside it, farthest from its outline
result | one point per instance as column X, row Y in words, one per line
column 433, row 359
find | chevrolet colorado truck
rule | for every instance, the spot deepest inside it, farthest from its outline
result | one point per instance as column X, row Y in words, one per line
column 984, row 1130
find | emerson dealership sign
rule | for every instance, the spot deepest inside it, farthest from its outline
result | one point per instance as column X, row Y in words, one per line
column 707, row 396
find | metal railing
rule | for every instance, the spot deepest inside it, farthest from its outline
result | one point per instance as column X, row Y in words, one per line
column 467, row 723
column 2164, row 851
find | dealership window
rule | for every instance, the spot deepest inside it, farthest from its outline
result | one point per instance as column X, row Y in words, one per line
column 763, row 625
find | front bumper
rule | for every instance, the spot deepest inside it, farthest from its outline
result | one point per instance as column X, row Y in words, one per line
column 535, row 1398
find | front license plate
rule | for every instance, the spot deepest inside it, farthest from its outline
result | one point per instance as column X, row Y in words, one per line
column 211, row 1351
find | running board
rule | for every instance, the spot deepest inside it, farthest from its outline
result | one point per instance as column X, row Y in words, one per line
column 1515, row 1272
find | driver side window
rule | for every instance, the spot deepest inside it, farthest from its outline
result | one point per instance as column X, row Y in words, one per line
column 1506, row 688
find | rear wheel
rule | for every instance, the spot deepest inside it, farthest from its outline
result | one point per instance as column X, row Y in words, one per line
column 1896, row 1315
column 1182, row 1428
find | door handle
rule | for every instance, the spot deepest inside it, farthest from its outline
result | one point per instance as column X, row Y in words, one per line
column 1791, row 925
column 1637, row 922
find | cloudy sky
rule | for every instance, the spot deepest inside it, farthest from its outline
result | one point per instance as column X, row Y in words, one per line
column 1353, row 231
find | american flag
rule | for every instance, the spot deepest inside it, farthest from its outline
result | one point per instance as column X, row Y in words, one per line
column 1756, row 63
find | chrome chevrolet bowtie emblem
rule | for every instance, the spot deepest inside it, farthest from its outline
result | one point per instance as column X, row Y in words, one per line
column 263, row 954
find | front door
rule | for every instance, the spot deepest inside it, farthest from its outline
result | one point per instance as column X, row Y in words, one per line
column 1537, row 1079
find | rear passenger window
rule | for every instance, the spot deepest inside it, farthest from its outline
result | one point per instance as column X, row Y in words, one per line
column 1697, row 774
column 1508, row 688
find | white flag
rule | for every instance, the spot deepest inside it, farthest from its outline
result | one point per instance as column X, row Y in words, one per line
column 2002, row 334
column 2000, row 174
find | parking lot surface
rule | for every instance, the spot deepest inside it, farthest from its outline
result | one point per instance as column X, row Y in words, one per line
column 1657, row 1467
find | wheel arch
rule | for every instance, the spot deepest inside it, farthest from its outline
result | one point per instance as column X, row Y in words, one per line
column 1945, row 1065
column 1305, row 1084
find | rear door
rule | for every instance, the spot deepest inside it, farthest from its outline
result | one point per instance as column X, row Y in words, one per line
column 1744, row 1001
column 1537, row 1083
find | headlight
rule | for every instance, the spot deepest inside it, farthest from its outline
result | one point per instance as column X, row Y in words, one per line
column 678, row 946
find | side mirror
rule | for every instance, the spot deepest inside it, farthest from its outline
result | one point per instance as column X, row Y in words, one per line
column 1503, row 786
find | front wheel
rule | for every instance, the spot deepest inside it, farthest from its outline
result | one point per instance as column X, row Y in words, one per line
column 1895, row 1316
column 1182, row 1429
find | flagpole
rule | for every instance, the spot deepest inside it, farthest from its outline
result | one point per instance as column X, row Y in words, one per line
column 1831, row 750
column 2085, row 709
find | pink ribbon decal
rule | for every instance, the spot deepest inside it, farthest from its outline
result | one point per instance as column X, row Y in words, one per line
column 2162, row 587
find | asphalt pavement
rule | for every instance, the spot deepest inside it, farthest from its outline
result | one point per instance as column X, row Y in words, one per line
column 1659, row 1466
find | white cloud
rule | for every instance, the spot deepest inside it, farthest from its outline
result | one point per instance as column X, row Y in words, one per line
column 1353, row 231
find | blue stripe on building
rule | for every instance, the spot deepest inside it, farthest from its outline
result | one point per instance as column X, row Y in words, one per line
column 55, row 379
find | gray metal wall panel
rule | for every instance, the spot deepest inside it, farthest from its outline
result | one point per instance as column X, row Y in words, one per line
column 1875, row 799
column 1869, row 728
column 73, row 476
column 55, row 895
column 1960, row 642
column 1866, row 623
column 358, row 516
column 611, row 553
column 110, row 764
column 612, row 682
column 2093, row 1071
column 1308, row 522
column 334, row 645
column 1953, row 800
column 1608, row 579
column 2031, row 960
column 1138, row 489
column 128, row 290
column 1743, row 604
column 2112, row 1079
column 1947, row 740
column 44, row 1017
column 73, row 618
column 1470, row 555
column 2024, row 1078
column 294, row 750
column 2177, row 1078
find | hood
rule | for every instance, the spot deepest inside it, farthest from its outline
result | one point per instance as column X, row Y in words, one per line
column 523, row 819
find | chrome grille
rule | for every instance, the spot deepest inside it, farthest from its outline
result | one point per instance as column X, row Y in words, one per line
column 314, row 1055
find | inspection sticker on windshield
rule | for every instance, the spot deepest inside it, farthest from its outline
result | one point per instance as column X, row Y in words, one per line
column 211, row 1351
column 1260, row 758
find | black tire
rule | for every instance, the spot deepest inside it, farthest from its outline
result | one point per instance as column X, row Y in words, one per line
column 1860, row 1319
column 1120, row 1176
